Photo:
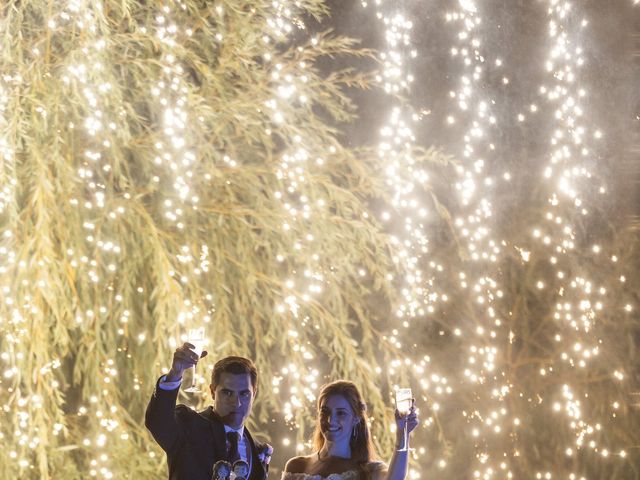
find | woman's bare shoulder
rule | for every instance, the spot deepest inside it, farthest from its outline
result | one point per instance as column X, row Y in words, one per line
column 298, row 464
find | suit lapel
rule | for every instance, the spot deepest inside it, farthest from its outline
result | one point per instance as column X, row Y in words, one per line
column 217, row 433
column 257, row 470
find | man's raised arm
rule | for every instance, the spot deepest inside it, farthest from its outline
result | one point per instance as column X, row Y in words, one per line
column 160, row 417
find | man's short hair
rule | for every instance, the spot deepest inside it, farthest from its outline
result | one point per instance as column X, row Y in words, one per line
column 235, row 366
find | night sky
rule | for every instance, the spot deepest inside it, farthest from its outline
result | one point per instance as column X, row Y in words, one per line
column 517, row 32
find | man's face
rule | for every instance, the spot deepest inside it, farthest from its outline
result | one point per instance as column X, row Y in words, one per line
column 233, row 398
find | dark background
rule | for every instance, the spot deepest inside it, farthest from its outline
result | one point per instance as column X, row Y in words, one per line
column 517, row 32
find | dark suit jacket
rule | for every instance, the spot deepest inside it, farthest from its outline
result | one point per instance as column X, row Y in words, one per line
column 193, row 441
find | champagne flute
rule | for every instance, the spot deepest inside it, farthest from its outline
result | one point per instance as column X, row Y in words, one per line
column 195, row 338
column 404, row 400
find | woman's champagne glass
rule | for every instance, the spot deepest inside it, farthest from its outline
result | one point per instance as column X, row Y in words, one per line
column 195, row 338
column 404, row 400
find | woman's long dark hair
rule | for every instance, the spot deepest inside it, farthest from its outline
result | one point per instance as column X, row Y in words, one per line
column 362, row 449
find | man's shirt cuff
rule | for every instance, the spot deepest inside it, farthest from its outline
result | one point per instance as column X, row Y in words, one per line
column 164, row 385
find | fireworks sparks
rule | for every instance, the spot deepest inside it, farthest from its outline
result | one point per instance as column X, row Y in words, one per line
column 573, row 145
column 178, row 162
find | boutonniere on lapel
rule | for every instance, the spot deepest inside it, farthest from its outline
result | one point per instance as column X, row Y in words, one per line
column 264, row 454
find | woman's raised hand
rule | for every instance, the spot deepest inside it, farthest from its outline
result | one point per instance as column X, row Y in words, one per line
column 410, row 419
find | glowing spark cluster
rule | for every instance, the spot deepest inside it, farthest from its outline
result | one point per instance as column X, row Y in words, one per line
column 405, row 176
column 491, row 337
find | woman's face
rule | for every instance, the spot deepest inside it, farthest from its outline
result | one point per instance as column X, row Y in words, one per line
column 223, row 472
column 337, row 419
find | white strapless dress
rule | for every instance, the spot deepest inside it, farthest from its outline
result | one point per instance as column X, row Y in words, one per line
column 348, row 475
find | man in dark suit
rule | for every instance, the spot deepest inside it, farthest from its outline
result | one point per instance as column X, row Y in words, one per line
column 195, row 441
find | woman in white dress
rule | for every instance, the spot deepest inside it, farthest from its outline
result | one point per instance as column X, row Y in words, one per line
column 342, row 444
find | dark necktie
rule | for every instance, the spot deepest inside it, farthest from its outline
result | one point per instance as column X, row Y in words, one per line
column 232, row 442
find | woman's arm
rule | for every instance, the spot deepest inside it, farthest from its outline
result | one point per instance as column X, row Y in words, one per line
column 399, row 462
